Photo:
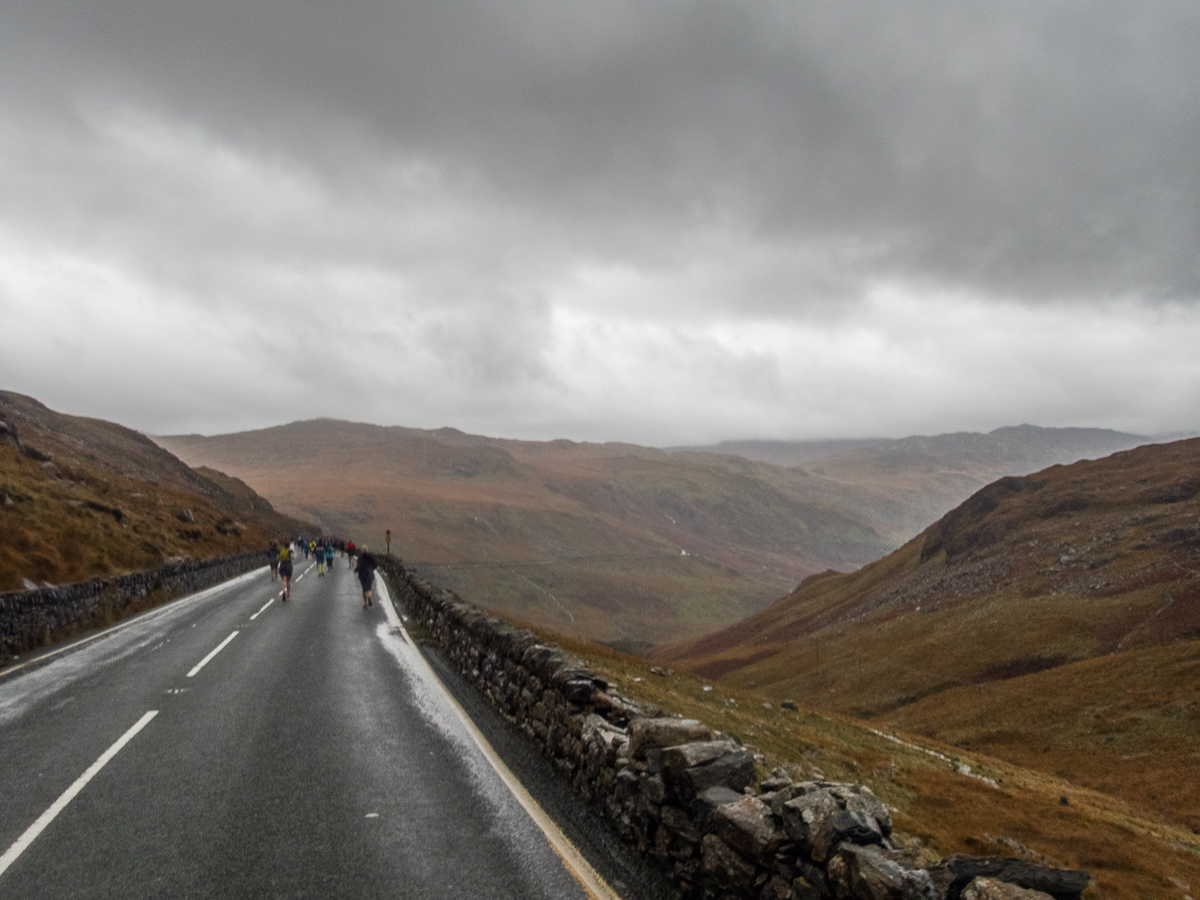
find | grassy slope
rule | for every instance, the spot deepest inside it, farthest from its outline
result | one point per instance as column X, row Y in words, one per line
column 584, row 538
column 587, row 538
column 1050, row 621
column 1129, row 848
column 107, row 502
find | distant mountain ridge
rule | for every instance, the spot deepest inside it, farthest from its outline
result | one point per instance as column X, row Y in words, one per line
column 1023, row 448
column 1020, row 447
column 901, row 486
column 785, row 453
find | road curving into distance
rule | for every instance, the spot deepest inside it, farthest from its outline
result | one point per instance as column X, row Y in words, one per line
column 232, row 745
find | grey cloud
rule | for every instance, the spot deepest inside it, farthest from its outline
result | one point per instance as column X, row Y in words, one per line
column 1028, row 149
column 668, row 222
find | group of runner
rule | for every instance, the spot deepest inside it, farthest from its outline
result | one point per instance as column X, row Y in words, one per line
column 323, row 551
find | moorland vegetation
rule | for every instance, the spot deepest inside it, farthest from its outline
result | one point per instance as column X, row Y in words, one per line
column 943, row 798
column 1050, row 621
column 82, row 498
column 631, row 546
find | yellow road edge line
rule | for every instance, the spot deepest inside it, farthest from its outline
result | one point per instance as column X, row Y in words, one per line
column 573, row 860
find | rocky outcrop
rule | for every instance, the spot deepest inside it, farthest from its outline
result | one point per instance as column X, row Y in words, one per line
column 8, row 435
column 35, row 618
column 685, row 795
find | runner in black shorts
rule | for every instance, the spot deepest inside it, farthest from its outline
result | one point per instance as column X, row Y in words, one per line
column 273, row 559
column 285, row 571
column 366, row 574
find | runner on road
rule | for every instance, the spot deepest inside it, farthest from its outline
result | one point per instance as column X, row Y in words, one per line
column 330, row 552
column 273, row 559
column 366, row 574
column 285, row 571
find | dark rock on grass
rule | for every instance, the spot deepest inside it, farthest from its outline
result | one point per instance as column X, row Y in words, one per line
column 954, row 873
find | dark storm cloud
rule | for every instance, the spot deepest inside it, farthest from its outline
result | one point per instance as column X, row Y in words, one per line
column 666, row 222
column 1036, row 149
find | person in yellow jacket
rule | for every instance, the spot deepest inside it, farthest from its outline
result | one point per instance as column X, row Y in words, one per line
column 285, row 570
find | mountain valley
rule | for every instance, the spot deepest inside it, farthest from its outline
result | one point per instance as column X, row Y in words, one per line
column 632, row 546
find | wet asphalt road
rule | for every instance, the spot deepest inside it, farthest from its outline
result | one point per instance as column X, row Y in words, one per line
column 313, row 756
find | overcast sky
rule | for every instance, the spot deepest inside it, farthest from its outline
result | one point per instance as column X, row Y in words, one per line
column 664, row 222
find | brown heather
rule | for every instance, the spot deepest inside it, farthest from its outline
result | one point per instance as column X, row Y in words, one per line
column 1129, row 848
column 88, row 499
column 586, row 538
column 582, row 538
column 1050, row 623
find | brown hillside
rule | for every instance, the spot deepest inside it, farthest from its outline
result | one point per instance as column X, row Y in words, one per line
column 82, row 498
column 1080, row 583
column 946, row 799
column 618, row 543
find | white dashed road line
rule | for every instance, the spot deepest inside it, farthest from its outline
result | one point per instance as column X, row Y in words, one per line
column 60, row 804
column 204, row 662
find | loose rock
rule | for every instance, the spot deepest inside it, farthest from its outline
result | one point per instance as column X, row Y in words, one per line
column 954, row 873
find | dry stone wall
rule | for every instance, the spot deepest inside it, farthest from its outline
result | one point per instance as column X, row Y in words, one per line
column 34, row 618
column 689, row 798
